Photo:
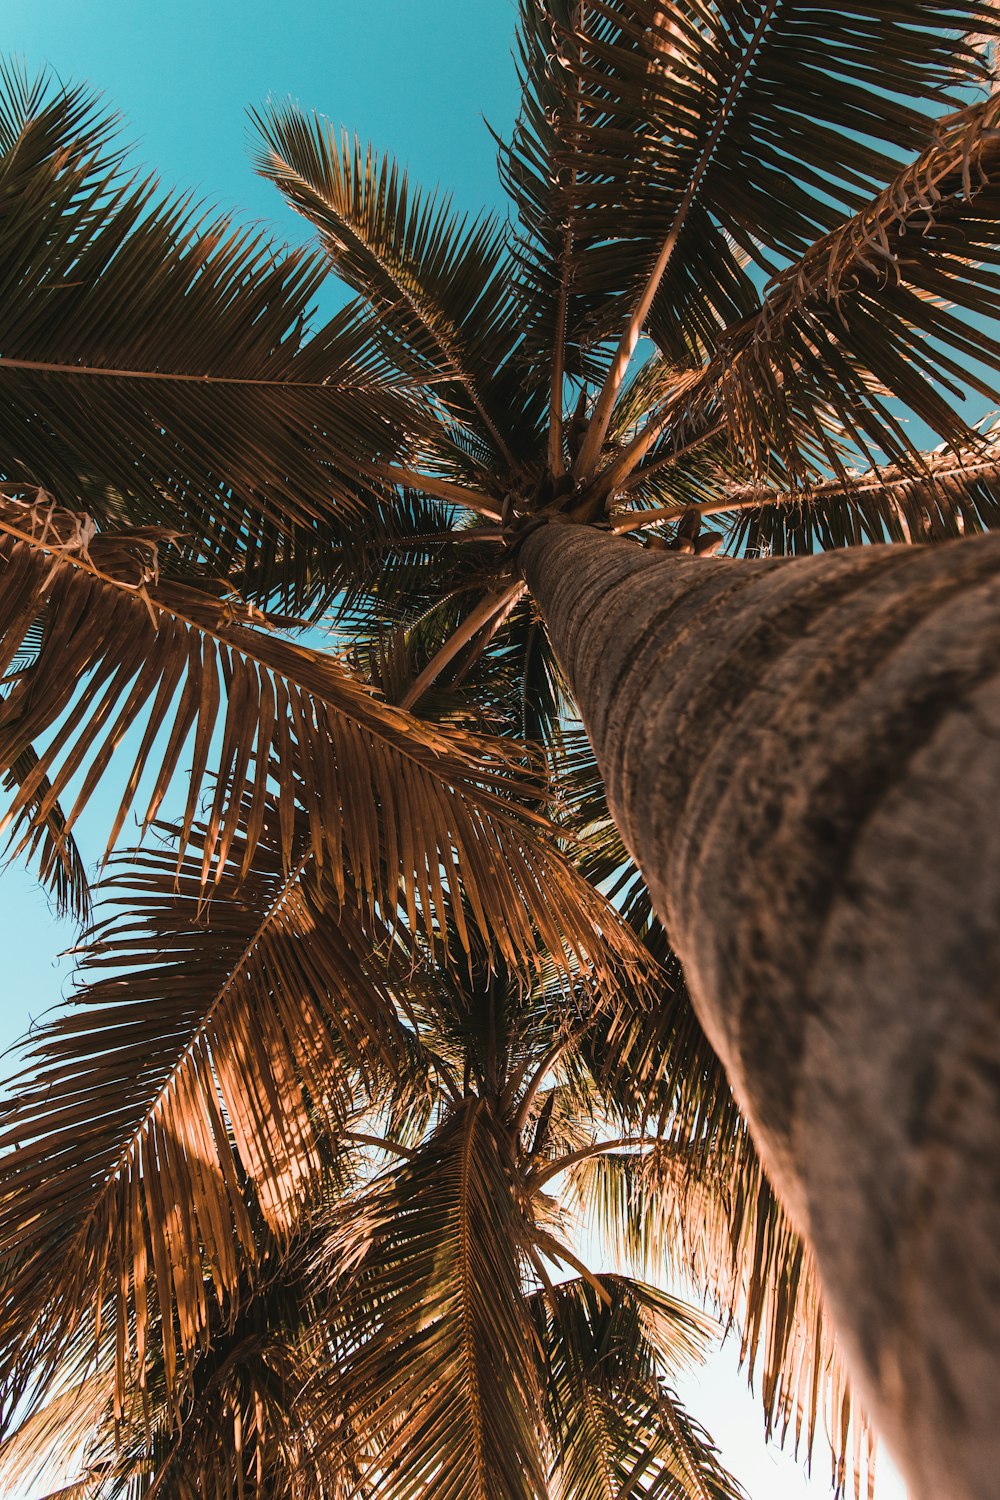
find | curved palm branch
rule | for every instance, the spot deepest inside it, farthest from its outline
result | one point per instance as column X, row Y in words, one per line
column 434, row 1364
column 405, row 805
column 441, row 287
column 154, row 359
column 950, row 495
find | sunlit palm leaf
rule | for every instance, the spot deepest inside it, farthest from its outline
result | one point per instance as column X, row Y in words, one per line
column 184, row 1080
column 435, row 1367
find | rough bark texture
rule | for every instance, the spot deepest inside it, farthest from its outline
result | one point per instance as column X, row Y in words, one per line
column 804, row 758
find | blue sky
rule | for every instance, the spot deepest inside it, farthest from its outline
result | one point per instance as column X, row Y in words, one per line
column 413, row 76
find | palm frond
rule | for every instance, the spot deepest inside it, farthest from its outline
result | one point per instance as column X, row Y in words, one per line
column 406, row 806
column 154, row 359
column 944, row 494
column 897, row 302
column 435, row 1368
column 39, row 834
column 441, row 286
column 55, row 1438
column 177, row 1099
column 582, row 171
column 707, row 1211
column 617, row 1428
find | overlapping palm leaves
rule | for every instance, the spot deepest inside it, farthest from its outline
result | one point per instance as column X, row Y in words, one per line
column 429, row 1327
column 668, row 156
column 667, row 159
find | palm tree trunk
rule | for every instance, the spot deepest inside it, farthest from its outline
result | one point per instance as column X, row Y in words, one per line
column 803, row 755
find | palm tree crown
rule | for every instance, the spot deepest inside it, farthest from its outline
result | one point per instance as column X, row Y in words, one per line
column 748, row 237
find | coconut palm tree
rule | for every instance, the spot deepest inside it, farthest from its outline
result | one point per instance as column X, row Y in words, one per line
column 799, row 752
column 430, row 1327
column 796, row 750
column 132, row 652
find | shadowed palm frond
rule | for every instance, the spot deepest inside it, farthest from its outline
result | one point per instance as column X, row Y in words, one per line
column 899, row 301
column 434, row 1362
column 39, row 834
column 153, row 359
column 945, row 494
column 662, row 136
column 617, row 1428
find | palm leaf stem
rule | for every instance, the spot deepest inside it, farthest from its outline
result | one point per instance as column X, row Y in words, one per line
column 136, row 1136
column 546, row 1065
column 490, row 607
column 561, row 1254
column 178, row 377
column 625, row 468
column 598, row 1148
column 441, row 489
column 601, row 418
column 624, row 474
column 431, row 538
column 556, row 464
column 381, row 1142
column 753, row 497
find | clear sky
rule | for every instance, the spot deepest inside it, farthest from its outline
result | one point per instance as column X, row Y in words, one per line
column 414, row 76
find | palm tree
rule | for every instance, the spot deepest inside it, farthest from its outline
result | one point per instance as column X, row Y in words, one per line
column 799, row 752
column 430, row 1327
column 493, row 408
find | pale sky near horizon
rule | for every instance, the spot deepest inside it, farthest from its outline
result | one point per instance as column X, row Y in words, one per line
column 416, row 77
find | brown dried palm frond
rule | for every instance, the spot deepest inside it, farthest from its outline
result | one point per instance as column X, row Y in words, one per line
column 405, row 806
column 618, row 1428
column 178, row 1101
